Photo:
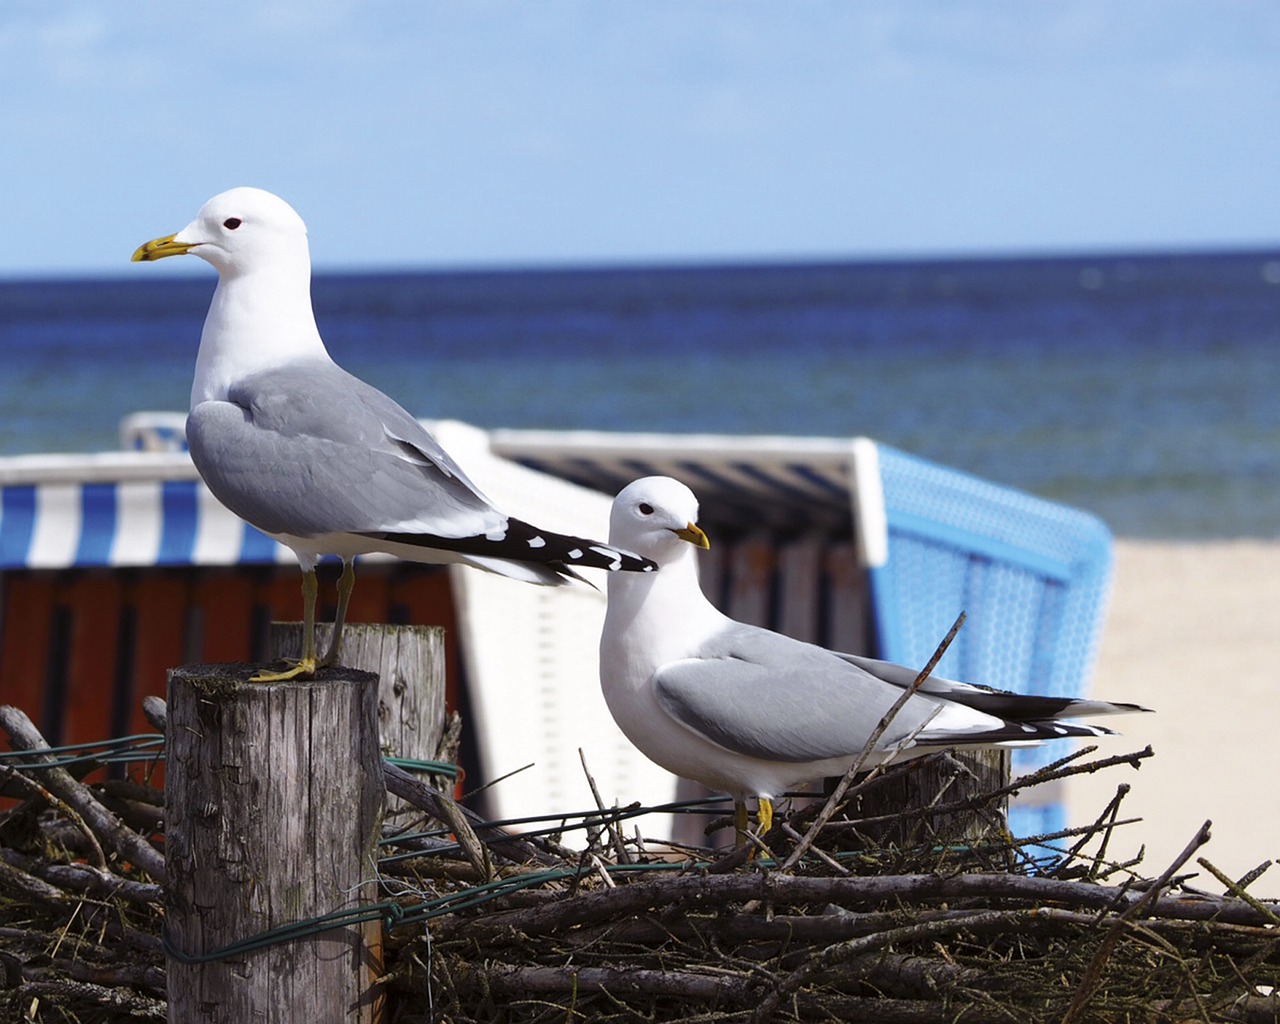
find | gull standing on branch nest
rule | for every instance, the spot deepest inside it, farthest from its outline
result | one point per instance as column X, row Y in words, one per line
column 317, row 458
column 753, row 713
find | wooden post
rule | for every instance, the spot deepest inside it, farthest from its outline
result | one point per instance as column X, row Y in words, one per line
column 935, row 781
column 410, row 664
column 273, row 806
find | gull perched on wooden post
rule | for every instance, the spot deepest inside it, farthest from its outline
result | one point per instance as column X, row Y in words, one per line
column 754, row 713
column 314, row 457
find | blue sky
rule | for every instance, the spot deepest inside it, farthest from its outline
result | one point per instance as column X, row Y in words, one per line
column 534, row 132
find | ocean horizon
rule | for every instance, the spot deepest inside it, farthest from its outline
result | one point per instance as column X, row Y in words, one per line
column 1140, row 387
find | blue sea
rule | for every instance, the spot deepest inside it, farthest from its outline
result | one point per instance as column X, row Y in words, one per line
column 1144, row 388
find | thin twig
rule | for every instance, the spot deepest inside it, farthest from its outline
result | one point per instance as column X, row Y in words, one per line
column 1237, row 890
column 610, row 823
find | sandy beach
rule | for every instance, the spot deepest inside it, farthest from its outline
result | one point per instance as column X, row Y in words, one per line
column 1193, row 634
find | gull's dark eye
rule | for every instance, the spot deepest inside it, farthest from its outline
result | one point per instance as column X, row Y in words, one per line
column 231, row 223
column 645, row 508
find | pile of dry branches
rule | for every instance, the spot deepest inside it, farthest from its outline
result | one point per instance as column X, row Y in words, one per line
column 81, row 890
column 945, row 923
column 828, row 918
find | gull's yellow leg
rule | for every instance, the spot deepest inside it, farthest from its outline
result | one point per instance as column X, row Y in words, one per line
column 346, row 584
column 764, row 814
column 306, row 665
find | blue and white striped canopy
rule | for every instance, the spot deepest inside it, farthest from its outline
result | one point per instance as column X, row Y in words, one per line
column 119, row 509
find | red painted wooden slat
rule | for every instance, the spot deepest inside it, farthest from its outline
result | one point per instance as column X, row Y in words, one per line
column 24, row 639
column 160, row 600
column 94, row 601
column 281, row 594
column 225, row 602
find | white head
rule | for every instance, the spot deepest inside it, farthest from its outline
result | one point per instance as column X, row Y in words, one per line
column 260, row 315
column 239, row 231
column 656, row 517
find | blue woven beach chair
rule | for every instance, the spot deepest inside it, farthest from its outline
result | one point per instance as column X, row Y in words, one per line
column 1032, row 576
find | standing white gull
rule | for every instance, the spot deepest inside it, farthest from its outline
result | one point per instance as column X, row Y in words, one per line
column 314, row 457
column 753, row 713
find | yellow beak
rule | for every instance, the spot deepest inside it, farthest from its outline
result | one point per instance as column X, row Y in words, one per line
column 159, row 248
column 694, row 536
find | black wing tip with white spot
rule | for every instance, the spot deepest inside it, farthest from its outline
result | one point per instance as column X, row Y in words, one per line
column 1029, row 707
column 521, row 542
column 1014, row 734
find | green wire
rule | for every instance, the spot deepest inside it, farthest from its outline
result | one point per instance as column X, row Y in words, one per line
column 410, row 764
column 143, row 747
column 116, row 751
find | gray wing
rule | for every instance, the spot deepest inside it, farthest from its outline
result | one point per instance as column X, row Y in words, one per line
column 765, row 695
column 308, row 449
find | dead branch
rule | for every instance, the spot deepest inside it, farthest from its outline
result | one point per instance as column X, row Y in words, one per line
column 83, row 879
column 556, row 914
column 103, row 825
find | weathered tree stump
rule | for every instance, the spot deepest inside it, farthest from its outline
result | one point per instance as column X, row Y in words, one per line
column 273, row 804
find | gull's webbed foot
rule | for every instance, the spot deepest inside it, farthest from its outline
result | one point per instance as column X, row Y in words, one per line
column 303, row 668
